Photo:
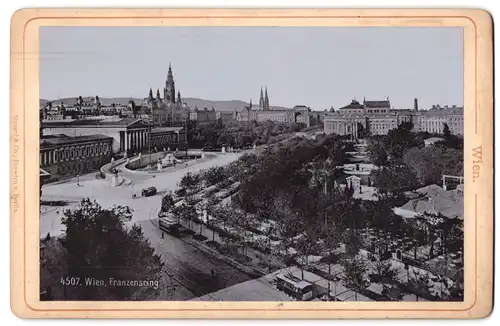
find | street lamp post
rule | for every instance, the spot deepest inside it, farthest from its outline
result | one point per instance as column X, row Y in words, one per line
column 186, row 135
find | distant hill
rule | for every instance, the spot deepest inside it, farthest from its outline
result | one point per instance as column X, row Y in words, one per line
column 234, row 105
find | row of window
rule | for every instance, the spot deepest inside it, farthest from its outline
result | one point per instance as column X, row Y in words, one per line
column 377, row 110
column 68, row 153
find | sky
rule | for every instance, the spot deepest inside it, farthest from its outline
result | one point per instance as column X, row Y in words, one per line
column 319, row 67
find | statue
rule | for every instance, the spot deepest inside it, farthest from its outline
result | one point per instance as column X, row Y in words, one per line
column 254, row 146
column 168, row 149
column 114, row 179
column 357, row 167
column 223, row 149
column 112, row 160
column 159, row 166
column 164, row 149
column 202, row 155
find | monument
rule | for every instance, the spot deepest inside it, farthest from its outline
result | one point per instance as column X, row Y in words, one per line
column 114, row 180
column 354, row 182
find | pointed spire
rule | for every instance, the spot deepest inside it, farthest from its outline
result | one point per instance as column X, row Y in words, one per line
column 261, row 94
column 179, row 97
column 158, row 93
column 170, row 76
column 266, row 101
column 150, row 96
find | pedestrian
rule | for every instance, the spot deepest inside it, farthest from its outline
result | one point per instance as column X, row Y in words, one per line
column 163, row 235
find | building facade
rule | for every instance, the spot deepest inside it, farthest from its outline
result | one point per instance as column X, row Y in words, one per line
column 170, row 110
column 377, row 118
column 299, row 114
column 129, row 135
column 204, row 116
column 63, row 156
column 434, row 119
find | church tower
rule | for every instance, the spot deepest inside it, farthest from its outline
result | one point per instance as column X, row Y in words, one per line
column 261, row 101
column 158, row 97
column 266, row 101
column 150, row 96
column 169, row 91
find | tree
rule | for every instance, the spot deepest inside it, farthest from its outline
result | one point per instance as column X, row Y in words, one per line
column 167, row 203
column 387, row 276
column 419, row 283
column 331, row 243
column 446, row 131
column 406, row 125
column 352, row 243
column 393, row 181
column 354, row 277
column 377, row 153
column 191, row 182
column 186, row 211
column 213, row 175
column 430, row 163
column 398, row 141
column 95, row 243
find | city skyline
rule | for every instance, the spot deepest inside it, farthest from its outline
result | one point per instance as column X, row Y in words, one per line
column 371, row 63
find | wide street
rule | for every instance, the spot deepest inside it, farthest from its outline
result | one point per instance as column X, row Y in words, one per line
column 189, row 266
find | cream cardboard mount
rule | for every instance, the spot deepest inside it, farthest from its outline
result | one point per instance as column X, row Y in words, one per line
column 30, row 165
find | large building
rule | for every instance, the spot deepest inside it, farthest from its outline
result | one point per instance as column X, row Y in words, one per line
column 434, row 119
column 129, row 135
column 377, row 118
column 206, row 116
column 63, row 156
column 299, row 114
column 167, row 111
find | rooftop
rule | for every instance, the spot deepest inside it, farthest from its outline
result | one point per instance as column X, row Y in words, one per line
column 64, row 139
column 377, row 104
column 166, row 129
column 446, row 110
column 353, row 105
column 434, row 200
column 111, row 122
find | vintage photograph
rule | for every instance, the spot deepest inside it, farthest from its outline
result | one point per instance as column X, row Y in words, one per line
column 251, row 164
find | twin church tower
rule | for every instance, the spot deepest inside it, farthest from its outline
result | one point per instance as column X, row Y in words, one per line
column 264, row 101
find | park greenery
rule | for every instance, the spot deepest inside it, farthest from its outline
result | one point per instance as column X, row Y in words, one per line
column 407, row 164
column 293, row 186
column 239, row 135
column 98, row 247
